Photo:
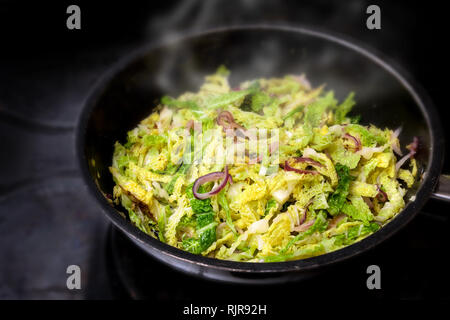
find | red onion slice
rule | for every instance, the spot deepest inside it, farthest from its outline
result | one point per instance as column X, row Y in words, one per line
column 192, row 125
column 309, row 161
column 287, row 167
column 211, row 177
column 304, row 226
column 303, row 217
column 305, row 213
column 368, row 202
column 412, row 147
column 381, row 196
column 303, row 81
column 226, row 120
column 355, row 140
column 396, row 133
column 232, row 128
column 335, row 221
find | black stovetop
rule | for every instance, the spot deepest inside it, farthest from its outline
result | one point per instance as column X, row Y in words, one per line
column 47, row 219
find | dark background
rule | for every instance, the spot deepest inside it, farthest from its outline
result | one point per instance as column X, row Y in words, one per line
column 48, row 221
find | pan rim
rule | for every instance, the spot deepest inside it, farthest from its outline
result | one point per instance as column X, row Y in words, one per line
column 419, row 95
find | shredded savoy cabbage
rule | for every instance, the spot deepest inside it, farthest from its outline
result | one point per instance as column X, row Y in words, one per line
column 314, row 181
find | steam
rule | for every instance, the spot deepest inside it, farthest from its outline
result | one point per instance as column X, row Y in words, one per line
column 269, row 59
column 196, row 16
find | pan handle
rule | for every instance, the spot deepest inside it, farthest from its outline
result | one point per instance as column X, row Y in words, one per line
column 442, row 191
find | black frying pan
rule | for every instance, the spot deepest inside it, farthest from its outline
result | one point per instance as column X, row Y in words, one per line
column 385, row 97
